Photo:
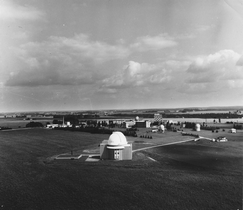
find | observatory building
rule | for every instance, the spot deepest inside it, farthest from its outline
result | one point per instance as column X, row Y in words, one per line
column 162, row 128
column 116, row 148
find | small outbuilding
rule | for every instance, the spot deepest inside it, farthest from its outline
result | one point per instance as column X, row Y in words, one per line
column 128, row 124
column 143, row 124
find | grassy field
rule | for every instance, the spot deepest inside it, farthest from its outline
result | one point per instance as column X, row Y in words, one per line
column 16, row 123
column 193, row 175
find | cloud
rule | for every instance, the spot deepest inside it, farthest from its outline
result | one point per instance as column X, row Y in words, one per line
column 159, row 42
column 133, row 74
column 79, row 60
column 145, row 75
column 203, row 28
column 81, row 45
column 12, row 11
column 215, row 72
column 63, row 61
column 42, row 77
column 219, row 66
column 240, row 61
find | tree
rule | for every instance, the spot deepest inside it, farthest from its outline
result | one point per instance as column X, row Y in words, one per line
column 34, row 124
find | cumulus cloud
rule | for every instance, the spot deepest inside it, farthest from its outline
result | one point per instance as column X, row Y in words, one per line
column 61, row 60
column 240, row 61
column 81, row 45
column 77, row 60
column 134, row 74
column 145, row 75
column 13, row 11
column 215, row 72
column 159, row 42
column 215, row 67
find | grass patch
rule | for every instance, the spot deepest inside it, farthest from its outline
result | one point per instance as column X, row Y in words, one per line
column 192, row 175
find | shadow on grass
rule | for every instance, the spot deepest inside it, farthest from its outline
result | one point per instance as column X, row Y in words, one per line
column 95, row 157
column 198, row 157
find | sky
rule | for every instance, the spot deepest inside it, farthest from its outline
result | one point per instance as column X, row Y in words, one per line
column 120, row 54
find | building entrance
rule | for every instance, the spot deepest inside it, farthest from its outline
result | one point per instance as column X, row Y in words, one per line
column 116, row 154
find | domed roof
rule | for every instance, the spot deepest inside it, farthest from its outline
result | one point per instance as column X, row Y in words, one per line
column 162, row 127
column 117, row 138
column 197, row 126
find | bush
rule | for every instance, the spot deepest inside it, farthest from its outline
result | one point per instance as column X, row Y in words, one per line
column 5, row 128
column 238, row 126
column 189, row 134
column 34, row 125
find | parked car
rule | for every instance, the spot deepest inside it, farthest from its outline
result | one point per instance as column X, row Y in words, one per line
column 220, row 139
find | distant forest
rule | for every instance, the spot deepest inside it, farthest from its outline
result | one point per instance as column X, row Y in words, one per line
column 151, row 115
column 185, row 115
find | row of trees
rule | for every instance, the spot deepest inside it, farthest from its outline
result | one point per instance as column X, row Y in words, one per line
column 34, row 125
column 92, row 129
column 185, row 115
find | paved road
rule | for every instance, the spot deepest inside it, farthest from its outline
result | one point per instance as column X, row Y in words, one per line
column 161, row 145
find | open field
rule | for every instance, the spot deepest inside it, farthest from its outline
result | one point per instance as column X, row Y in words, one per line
column 15, row 123
column 192, row 175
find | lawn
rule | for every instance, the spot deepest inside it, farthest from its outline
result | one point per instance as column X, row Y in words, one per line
column 193, row 175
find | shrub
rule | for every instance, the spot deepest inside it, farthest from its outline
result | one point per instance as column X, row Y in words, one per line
column 34, row 125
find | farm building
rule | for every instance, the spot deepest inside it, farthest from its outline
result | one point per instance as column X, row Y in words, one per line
column 52, row 126
column 128, row 124
column 116, row 148
column 143, row 124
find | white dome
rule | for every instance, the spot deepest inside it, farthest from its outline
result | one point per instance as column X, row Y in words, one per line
column 197, row 127
column 137, row 118
column 117, row 138
column 162, row 127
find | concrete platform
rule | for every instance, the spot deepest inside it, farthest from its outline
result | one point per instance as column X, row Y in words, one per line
column 68, row 157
